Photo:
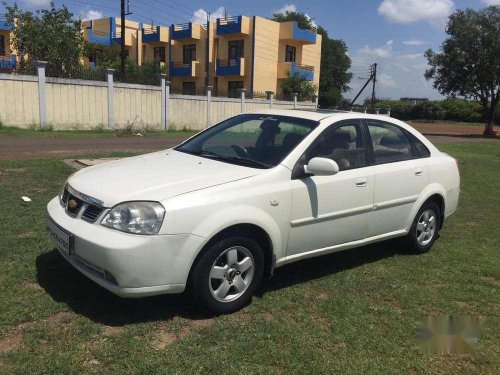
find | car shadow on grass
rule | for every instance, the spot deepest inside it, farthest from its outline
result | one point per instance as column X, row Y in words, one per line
column 65, row 284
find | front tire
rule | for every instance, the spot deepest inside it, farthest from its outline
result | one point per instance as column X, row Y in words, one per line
column 226, row 276
column 425, row 228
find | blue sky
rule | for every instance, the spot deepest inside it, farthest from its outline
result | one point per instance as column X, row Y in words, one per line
column 393, row 33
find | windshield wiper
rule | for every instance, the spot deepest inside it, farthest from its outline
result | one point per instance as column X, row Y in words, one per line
column 249, row 162
column 235, row 159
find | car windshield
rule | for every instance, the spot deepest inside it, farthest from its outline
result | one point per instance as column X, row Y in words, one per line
column 253, row 140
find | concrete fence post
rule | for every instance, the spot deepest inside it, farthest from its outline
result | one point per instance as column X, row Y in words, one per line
column 377, row 111
column 365, row 109
column 163, row 80
column 209, row 106
column 315, row 101
column 242, row 95
column 270, row 97
column 42, row 94
column 389, row 112
column 295, row 95
column 167, row 105
column 111, row 105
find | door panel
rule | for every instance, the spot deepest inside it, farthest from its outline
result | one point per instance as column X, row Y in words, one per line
column 399, row 178
column 331, row 210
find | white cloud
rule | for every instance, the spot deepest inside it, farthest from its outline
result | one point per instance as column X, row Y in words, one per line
column 410, row 56
column 384, row 51
column 286, row 8
column 37, row 2
column 408, row 11
column 91, row 14
column 413, row 42
column 200, row 15
column 385, row 80
column 491, row 2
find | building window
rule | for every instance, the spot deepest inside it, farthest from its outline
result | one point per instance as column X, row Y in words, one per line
column 2, row 45
column 235, row 49
column 290, row 53
column 95, row 56
column 159, row 53
column 188, row 53
column 232, row 88
column 189, row 88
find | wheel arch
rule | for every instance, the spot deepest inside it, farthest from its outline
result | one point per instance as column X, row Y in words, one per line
column 250, row 230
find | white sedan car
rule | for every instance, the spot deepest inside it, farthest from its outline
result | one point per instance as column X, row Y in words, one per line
column 257, row 191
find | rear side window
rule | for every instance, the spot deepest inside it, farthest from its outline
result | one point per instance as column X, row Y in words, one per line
column 422, row 150
column 389, row 143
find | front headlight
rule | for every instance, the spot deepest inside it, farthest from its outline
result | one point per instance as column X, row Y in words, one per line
column 135, row 217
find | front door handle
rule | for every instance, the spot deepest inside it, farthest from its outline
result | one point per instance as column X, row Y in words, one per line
column 361, row 182
column 419, row 172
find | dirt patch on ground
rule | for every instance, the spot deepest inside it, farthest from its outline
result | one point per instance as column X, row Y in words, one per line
column 10, row 342
column 446, row 128
column 491, row 279
column 61, row 317
column 110, row 331
column 33, row 286
column 166, row 337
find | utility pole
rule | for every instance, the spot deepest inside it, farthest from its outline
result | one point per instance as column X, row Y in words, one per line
column 374, row 80
column 207, row 53
column 122, row 39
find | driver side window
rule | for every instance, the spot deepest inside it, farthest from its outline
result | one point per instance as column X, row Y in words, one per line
column 341, row 143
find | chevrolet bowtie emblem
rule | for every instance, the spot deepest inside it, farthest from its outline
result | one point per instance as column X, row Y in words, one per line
column 72, row 204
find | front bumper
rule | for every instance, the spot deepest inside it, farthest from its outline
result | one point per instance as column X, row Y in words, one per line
column 126, row 264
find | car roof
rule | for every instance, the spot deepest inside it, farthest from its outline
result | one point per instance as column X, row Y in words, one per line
column 320, row 114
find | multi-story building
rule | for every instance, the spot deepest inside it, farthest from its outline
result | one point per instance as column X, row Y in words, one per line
column 232, row 53
column 253, row 53
column 7, row 55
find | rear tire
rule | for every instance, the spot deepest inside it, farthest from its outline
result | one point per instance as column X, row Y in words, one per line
column 226, row 276
column 425, row 228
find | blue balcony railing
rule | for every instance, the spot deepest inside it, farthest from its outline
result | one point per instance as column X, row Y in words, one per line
column 182, row 31
column 182, row 70
column 8, row 62
column 4, row 25
column 229, row 67
column 305, row 71
column 229, row 25
column 105, row 39
column 151, row 35
column 302, row 35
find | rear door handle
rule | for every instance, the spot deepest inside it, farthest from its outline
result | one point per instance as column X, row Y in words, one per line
column 419, row 172
column 361, row 182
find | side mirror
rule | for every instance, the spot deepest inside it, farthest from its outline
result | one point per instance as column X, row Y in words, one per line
column 322, row 167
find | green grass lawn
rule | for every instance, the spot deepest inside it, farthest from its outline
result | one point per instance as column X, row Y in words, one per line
column 349, row 312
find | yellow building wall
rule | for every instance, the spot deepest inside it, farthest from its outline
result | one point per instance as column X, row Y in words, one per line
column 266, row 54
column 311, row 55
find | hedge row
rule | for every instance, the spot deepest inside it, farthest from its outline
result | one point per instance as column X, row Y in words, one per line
column 449, row 109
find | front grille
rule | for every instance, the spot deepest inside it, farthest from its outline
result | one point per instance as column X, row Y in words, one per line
column 91, row 213
column 73, row 204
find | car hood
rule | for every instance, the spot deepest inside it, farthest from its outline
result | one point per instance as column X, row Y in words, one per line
column 155, row 177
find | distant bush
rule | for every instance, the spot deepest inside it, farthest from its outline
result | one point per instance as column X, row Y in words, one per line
column 448, row 109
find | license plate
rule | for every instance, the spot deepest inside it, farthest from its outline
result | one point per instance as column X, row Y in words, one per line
column 62, row 239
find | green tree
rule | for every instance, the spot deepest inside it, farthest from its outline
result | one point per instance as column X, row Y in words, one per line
column 468, row 65
column 335, row 63
column 296, row 83
column 51, row 35
column 304, row 21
